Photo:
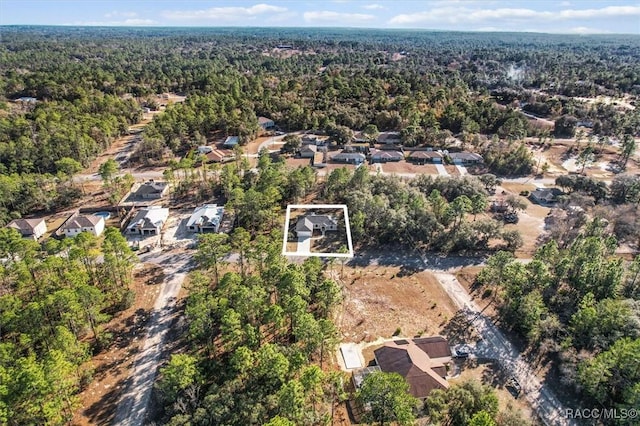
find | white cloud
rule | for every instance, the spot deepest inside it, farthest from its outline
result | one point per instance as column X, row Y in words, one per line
column 224, row 13
column 336, row 17
column 462, row 15
column 373, row 6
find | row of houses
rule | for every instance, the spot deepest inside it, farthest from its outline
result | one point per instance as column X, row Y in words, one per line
column 147, row 221
column 34, row 229
column 417, row 157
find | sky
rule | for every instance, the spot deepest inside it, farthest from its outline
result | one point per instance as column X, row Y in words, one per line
column 550, row 16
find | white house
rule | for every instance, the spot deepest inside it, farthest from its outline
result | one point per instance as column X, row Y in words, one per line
column 89, row 223
column 206, row 218
column 29, row 228
column 307, row 223
column 148, row 221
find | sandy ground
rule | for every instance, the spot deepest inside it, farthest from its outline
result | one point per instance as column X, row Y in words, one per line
column 406, row 167
column 111, row 367
column 531, row 222
column 381, row 299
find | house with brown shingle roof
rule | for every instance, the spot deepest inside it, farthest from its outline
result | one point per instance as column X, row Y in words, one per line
column 421, row 361
column 424, row 157
column 89, row 223
column 29, row 228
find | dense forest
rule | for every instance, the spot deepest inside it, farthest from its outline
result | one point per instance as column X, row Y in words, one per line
column 90, row 84
column 53, row 301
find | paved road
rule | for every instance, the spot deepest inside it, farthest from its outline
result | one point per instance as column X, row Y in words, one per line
column 134, row 402
column 496, row 346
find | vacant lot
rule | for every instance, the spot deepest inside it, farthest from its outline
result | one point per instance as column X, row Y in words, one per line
column 531, row 222
column 406, row 167
column 383, row 300
column 111, row 366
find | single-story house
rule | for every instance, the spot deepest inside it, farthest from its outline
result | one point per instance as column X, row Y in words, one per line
column 83, row 223
column 219, row 156
column 545, row 196
column 313, row 140
column 359, row 137
column 356, row 147
column 266, row 123
column 152, row 190
column 465, row 158
column 421, row 361
column 379, row 156
column 29, row 228
column 204, row 149
column 424, row 157
column 148, row 221
column 206, row 218
column 308, row 151
column 307, row 223
column 389, row 137
column 349, row 158
column 231, row 141
column 27, row 100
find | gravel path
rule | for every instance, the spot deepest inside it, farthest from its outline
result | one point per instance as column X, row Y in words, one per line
column 496, row 346
column 134, row 402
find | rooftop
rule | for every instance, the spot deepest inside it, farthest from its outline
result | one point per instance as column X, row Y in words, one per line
column 206, row 215
column 88, row 221
column 420, row 361
column 25, row 224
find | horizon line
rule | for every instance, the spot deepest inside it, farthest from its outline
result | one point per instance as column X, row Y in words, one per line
column 316, row 28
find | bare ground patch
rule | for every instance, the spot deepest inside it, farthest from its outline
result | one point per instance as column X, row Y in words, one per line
column 111, row 366
column 379, row 300
column 406, row 167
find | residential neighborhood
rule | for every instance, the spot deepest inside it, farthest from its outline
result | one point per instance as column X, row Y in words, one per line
column 322, row 225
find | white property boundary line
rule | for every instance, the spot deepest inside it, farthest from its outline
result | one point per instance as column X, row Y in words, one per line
column 349, row 254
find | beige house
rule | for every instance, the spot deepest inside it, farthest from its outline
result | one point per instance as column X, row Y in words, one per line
column 84, row 223
column 29, row 228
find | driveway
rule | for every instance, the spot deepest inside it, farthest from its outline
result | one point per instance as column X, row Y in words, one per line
column 496, row 346
column 441, row 170
column 304, row 246
column 461, row 169
column 134, row 401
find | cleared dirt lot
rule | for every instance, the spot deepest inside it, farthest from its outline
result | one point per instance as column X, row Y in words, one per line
column 406, row 167
column 111, row 366
column 531, row 222
column 381, row 299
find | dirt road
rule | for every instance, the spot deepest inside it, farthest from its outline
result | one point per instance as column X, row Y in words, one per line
column 496, row 346
column 134, row 402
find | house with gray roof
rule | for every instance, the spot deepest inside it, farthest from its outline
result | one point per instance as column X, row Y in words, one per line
column 465, row 158
column 349, row 158
column 206, row 218
column 148, row 221
column 306, row 224
column 152, row 190
column 380, row 156
column 425, row 157
column 231, row 141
